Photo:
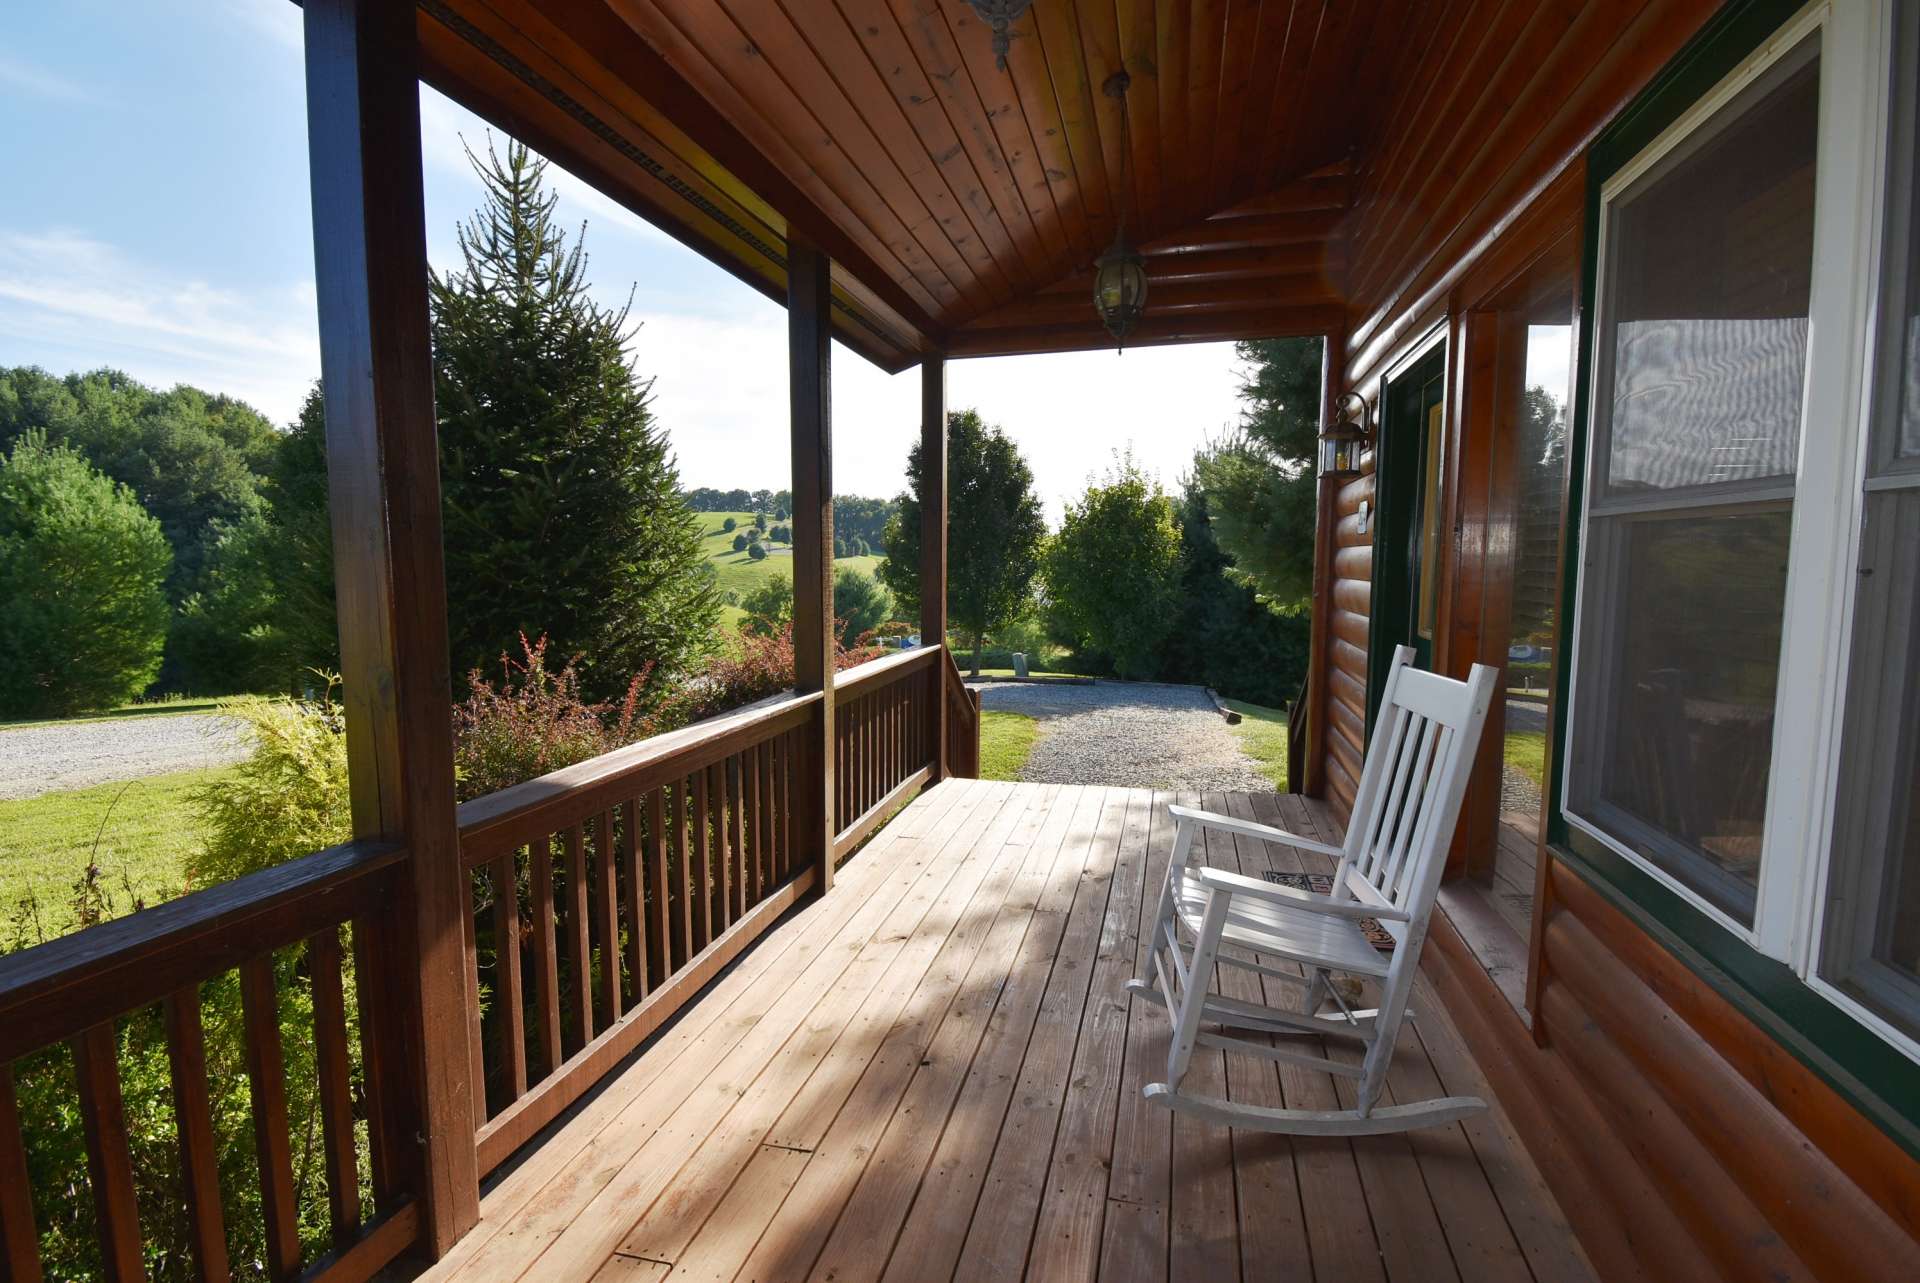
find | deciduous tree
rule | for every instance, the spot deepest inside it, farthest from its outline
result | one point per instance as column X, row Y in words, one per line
column 1113, row 571
column 994, row 530
column 83, row 616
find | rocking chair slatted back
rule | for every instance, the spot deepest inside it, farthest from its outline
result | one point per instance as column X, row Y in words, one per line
column 1408, row 799
column 1411, row 789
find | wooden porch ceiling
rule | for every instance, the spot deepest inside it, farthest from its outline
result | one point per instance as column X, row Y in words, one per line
column 962, row 206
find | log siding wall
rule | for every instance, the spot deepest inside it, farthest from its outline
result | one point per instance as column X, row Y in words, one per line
column 1684, row 1141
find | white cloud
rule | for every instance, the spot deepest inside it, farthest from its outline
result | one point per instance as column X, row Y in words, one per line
column 41, row 83
column 61, row 291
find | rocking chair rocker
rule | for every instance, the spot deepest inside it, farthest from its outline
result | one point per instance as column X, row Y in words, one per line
column 1403, row 820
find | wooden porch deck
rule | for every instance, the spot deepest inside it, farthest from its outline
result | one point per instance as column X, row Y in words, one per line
column 933, row 1073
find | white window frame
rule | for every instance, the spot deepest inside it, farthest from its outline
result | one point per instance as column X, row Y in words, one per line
column 1828, row 484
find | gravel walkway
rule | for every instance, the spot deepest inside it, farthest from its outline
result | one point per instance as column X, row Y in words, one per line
column 44, row 759
column 1134, row 734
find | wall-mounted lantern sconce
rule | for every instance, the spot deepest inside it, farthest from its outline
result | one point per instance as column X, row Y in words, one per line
column 1343, row 439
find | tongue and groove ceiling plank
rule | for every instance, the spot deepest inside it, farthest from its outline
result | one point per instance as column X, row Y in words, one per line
column 957, row 199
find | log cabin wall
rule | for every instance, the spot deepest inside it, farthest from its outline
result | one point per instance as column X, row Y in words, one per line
column 1686, row 1133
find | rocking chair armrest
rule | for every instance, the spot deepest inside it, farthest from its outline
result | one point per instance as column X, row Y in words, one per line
column 1249, row 829
column 1291, row 897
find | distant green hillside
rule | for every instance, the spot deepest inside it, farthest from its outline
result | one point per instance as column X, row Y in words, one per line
column 740, row 574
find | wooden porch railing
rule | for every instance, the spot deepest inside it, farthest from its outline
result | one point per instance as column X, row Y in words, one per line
column 77, row 989
column 606, row 894
column 602, row 898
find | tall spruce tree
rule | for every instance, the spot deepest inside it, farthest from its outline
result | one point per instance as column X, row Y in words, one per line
column 562, row 502
column 1259, row 479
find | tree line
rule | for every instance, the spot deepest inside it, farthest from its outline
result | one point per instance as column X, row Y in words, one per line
column 1206, row 583
column 175, row 541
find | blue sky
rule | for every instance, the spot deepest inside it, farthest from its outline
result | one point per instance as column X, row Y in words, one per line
column 155, row 218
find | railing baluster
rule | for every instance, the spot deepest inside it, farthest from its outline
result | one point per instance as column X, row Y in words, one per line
column 266, row 1074
column 633, row 866
column 379, row 1047
column 783, row 804
column 193, row 1121
column 703, row 878
column 715, row 817
column 737, row 817
column 19, row 1240
column 476, row 1043
column 683, row 915
column 763, row 811
column 609, row 907
column 546, row 954
column 96, row 1067
column 660, row 938
column 579, row 948
column 336, row 1090
column 509, row 1000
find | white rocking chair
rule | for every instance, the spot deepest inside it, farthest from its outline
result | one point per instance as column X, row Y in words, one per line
column 1403, row 821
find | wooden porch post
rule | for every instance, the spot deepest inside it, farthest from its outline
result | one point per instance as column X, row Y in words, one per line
column 933, row 540
column 370, row 259
column 810, row 384
column 1332, row 383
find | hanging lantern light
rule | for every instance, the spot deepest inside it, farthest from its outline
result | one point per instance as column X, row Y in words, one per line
column 1120, row 288
column 999, row 15
column 1120, row 274
column 1343, row 439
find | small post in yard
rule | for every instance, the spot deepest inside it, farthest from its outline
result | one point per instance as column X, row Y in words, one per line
column 933, row 542
column 810, row 385
column 383, row 466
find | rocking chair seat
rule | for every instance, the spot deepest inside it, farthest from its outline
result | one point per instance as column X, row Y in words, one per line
column 1303, row 935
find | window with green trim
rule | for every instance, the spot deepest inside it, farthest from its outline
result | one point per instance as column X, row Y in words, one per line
column 1745, row 684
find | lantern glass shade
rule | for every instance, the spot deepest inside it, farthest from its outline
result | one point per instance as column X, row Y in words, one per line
column 1120, row 289
column 1340, row 447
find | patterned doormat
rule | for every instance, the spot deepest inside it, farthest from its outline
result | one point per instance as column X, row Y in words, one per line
column 1322, row 884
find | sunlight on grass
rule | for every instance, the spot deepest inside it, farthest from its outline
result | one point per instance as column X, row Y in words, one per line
column 142, row 828
column 1262, row 733
column 1526, row 752
column 1006, row 740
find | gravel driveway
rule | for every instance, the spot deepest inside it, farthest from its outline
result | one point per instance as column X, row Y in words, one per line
column 43, row 759
column 1135, row 734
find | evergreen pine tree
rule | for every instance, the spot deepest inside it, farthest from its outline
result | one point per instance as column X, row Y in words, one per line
column 562, row 503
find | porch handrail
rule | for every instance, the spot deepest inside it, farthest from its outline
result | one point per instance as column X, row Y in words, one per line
column 77, row 988
column 511, row 816
column 52, row 991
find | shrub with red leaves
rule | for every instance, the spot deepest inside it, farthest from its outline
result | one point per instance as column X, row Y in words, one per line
column 534, row 721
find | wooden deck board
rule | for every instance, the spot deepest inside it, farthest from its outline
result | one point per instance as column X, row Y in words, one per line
column 933, row 1073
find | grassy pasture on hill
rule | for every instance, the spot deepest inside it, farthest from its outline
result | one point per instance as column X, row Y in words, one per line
column 741, row 574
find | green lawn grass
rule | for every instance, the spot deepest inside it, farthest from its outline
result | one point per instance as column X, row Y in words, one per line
column 136, row 830
column 739, row 573
column 1006, row 740
column 1262, row 733
column 1526, row 752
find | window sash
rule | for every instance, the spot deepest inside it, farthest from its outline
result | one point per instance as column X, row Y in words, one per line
column 1826, row 483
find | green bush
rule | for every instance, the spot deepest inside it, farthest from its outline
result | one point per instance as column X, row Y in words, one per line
column 83, row 618
column 769, row 607
column 860, row 604
column 757, row 551
column 288, row 798
column 740, row 542
column 728, row 524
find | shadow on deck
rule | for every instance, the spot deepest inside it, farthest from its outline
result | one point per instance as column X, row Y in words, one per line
column 934, row 1073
